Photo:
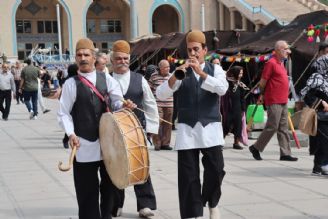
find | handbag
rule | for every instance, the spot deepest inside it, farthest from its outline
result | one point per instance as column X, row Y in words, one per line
column 309, row 121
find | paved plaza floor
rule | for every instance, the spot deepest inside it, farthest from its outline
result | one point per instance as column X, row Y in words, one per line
column 32, row 187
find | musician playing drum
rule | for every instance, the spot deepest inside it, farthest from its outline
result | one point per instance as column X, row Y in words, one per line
column 136, row 88
column 79, row 114
column 199, row 129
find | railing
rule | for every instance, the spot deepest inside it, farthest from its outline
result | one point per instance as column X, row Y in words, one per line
column 260, row 10
column 323, row 2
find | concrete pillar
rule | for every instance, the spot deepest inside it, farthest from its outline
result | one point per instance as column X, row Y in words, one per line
column 232, row 20
column 244, row 22
column 221, row 14
column 133, row 20
column 257, row 27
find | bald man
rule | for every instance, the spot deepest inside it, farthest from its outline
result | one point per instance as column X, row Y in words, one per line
column 274, row 86
column 165, row 107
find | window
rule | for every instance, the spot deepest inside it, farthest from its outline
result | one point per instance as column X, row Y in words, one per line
column 40, row 27
column 91, row 26
column 48, row 25
column 42, row 45
column 104, row 47
column 110, row 26
column 28, row 46
column 23, row 26
column 54, row 27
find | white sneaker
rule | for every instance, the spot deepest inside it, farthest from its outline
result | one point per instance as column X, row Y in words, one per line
column 324, row 169
column 146, row 213
column 34, row 118
column 119, row 212
column 31, row 114
column 214, row 213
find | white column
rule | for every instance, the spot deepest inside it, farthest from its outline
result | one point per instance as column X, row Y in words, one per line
column 59, row 33
column 203, row 17
column 244, row 22
column 232, row 20
column 133, row 19
column 221, row 14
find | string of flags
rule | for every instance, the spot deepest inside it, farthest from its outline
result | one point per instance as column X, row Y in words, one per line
column 223, row 58
column 314, row 32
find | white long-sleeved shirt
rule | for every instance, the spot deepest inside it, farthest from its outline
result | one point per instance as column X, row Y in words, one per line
column 7, row 81
column 148, row 102
column 89, row 151
column 198, row 136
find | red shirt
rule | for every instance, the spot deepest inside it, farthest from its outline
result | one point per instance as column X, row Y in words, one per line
column 277, row 86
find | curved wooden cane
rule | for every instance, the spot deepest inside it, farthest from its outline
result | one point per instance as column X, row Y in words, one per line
column 71, row 158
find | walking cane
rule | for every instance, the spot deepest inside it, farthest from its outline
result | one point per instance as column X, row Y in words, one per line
column 70, row 164
column 298, row 145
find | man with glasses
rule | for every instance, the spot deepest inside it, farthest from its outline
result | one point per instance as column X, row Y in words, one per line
column 7, row 87
column 274, row 86
column 199, row 129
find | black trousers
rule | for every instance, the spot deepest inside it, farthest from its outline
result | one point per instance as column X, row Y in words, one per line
column 19, row 96
column 193, row 197
column 5, row 96
column 145, row 197
column 87, row 189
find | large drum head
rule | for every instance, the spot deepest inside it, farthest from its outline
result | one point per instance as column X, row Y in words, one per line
column 113, row 150
column 124, row 148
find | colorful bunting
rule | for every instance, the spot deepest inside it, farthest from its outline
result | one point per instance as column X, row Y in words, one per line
column 313, row 32
column 236, row 58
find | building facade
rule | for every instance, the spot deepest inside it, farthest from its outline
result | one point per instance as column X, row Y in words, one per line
column 27, row 24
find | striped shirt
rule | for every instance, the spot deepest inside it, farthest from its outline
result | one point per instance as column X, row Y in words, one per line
column 155, row 80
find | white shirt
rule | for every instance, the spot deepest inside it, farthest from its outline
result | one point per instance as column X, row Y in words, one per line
column 148, row 101
column 198, row 136
column 7, row 81
column 89, row 151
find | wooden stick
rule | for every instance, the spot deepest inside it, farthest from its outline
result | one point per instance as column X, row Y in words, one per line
column 298, row 145
column 71, row 158
column 170, row 123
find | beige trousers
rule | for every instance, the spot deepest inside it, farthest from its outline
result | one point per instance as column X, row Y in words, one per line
column 164, row 132
column 277, row 122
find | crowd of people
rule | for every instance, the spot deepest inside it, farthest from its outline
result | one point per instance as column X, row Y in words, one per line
column 204, row 106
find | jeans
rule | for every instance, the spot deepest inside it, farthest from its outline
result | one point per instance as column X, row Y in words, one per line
column 28, row 95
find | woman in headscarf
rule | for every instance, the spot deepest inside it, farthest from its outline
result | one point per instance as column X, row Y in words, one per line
column 316, row 89
column 234, row 105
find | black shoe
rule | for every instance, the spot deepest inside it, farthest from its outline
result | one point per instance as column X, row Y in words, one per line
column 173, row 127
column 65, row 144
column 288, row 158
column 46, row 111
column 237, row 147
column 316, row 170
column 166, row 147
column 255, row 153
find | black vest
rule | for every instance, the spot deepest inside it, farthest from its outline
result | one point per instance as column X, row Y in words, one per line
column 196, row 104
column 88, row 108
column 135, row 94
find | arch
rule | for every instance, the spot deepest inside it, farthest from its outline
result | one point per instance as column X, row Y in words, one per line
column 106, row 21
column 85, row 11
column 160, row 24
column 13, row 24
column 172, row 3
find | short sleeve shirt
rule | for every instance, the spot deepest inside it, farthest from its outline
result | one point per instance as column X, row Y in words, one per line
column 277, row 86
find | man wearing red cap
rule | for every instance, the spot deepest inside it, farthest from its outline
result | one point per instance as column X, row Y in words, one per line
column 79, row 115
column 136, row 88
column 199, row 129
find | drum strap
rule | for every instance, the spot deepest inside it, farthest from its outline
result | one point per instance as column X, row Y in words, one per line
column 94, row 89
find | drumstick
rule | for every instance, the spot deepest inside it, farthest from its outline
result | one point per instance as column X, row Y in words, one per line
column 71, row 158
column 124, row 101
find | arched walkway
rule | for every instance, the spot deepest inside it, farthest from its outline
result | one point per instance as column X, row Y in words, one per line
column 37, row 26
column 165, row 20
column 107, row 21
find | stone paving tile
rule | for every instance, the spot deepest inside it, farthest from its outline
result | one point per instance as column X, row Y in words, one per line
column 31, row 187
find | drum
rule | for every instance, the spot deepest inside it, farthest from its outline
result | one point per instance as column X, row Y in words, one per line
column 124, row 148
